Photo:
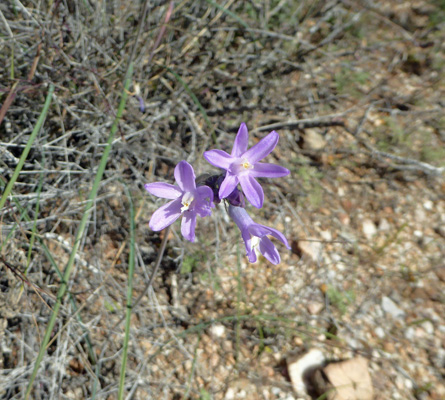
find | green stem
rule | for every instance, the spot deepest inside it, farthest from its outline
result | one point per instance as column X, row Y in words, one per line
column 80, row 232
column 28, row 146
column 131, row 259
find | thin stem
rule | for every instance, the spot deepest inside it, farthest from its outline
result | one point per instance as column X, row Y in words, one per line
column 153, row 274
column 131, row 259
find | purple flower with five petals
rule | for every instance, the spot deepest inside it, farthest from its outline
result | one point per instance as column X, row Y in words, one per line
column 255, row 236
column 188, row 201
column 242, row 166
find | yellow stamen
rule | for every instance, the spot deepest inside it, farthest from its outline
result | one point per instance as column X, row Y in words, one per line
column 246, row 164
column 187, row 200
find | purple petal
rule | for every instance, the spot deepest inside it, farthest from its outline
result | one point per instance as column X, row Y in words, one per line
column 241, row 141
column 204, row 201
column 252, row 190
column 266, row 170
column 236, row 198
column 262, row 148
column 269, row 251
column 218, row 158
column 165, row 215
column 250, row 252
column 251, row 255
column 185, row 176
column 261, row 231
column 241, row 219
column 228, row 185
column 204, row 193
column 163, row 190
column 188, row 225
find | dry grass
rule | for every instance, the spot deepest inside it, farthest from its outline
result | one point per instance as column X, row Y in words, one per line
column 368, row 79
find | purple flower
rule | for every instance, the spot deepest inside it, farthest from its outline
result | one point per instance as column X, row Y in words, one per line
column 242, row 166
column 188, row 201
column 255, row 236
column 236, row 198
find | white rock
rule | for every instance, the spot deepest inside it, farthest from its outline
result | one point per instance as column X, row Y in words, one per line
column 326, row 235
column 428, row 327
column 409, row 384
column 380, row 332
column 218, row 330
column 384, row 225
column 352, row 343
column 297, row 369
column 336, row 257
column 410, row 333
column 418, row 234
column 230, row 394
column 351, row 380
column 400, row 382
column 311, row 249
column 439, row 358
column 276, row 391
column 315, row 308
column 369, row 228
column 428, row 205
column 313, row 140
column 332, row 275
column 391, row 308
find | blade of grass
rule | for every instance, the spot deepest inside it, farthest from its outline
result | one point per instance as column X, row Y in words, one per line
column 192, row 372
column 36, row 213
column 131, row 259
column 51, row 260
column 152, row 276
column 81, row 229
column 28, row 146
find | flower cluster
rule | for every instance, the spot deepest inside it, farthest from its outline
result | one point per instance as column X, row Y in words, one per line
column 193, row 196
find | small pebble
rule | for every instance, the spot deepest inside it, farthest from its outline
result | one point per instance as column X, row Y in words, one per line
column 384, row 225
column 315, row 308
column 389, row 307
column 428, row 327
column 369, row 228
column 380, row 332
column 218, row 330
column 428, row 205
column 410, row 333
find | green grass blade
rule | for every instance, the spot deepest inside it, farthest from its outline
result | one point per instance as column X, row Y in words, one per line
column 80, row 231
column 28, row 146
column 23, row 212
column 36, row 213
column 11, row 73
column 131, row 259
